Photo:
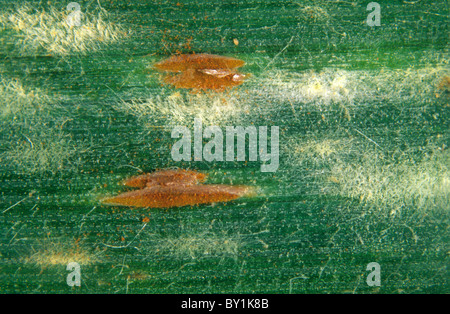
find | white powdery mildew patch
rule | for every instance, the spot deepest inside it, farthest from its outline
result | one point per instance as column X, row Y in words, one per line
column 18, row 100
column 353, row 88
column 329, row 86
column 348, row 168
column 32, row 146
column 316, row 151
column 41, row 151
column 180, row 109
column 200, row 246
column 424, row 185
column 50, row 253
column 48, row 30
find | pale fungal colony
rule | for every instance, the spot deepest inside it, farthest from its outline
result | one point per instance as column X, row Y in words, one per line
column 57, row 253
column 199, row 245
column 181, row 109
column 49, row 30
column 352, row 89
column 33, row 146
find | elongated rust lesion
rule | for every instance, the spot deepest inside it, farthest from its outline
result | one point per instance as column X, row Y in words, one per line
column 202, row 71
column 165, row 177
column 180, row 63
column 175, row 188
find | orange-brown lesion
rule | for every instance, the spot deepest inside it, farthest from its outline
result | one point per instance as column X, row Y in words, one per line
column 444, row 84
column 179, row 63
column 165, row 177
column 175, row 188
column 202, row 71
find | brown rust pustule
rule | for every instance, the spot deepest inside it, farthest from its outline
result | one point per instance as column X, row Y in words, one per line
column 180, row 63
column 202, row 72
column 175, row 188
column 205, row 80
column 166, row 196
column 165, row 177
